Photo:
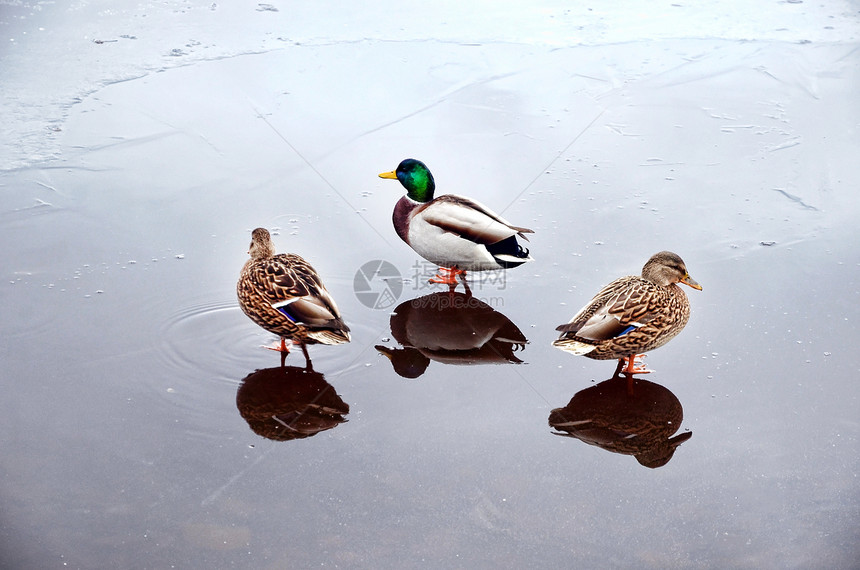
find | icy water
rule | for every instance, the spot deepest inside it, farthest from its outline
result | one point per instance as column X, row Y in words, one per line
column 143, row 426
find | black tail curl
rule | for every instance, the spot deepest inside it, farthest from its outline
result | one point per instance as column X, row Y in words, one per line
column 509, row 247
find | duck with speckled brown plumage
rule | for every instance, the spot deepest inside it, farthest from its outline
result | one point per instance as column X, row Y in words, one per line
column 632, row 315
column 456, row 233
column 284, row 294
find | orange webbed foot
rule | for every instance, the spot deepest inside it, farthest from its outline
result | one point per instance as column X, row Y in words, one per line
column 448, row 276
column 282, row 347
column 635, row 365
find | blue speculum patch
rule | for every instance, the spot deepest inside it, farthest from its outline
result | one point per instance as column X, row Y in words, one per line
column 627, row 330
column 283, row 307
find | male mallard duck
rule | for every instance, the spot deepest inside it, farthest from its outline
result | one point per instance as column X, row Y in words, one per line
column 283, row 294
column 632, row 315
column 456, row 233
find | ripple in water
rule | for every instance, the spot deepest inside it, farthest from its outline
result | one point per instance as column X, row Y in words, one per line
column 216, row 344
column 203, row 339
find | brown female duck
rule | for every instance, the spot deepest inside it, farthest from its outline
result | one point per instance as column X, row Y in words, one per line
column 283, row 294
column 632, row 315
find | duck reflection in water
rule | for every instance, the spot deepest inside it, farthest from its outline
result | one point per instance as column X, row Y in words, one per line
column 452, row 328
column 640, row 424
column 288, row 402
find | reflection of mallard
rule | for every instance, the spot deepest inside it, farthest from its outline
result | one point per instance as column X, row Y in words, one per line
column 453, row 328
column 288, row 402
column 609, row 417
column 285, row 295
column 456, row 233
column 632, row 314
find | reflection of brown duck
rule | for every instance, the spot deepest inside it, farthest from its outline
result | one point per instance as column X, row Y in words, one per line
column 608, row 416
column 452, row 328
column 288, row 402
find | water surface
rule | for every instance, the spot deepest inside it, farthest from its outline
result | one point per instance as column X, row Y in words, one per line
column 132, row 379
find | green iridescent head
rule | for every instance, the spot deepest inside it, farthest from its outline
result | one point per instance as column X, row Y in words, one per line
column 415, row 177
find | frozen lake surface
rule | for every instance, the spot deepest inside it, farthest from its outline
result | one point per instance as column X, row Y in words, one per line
column 144, row 427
